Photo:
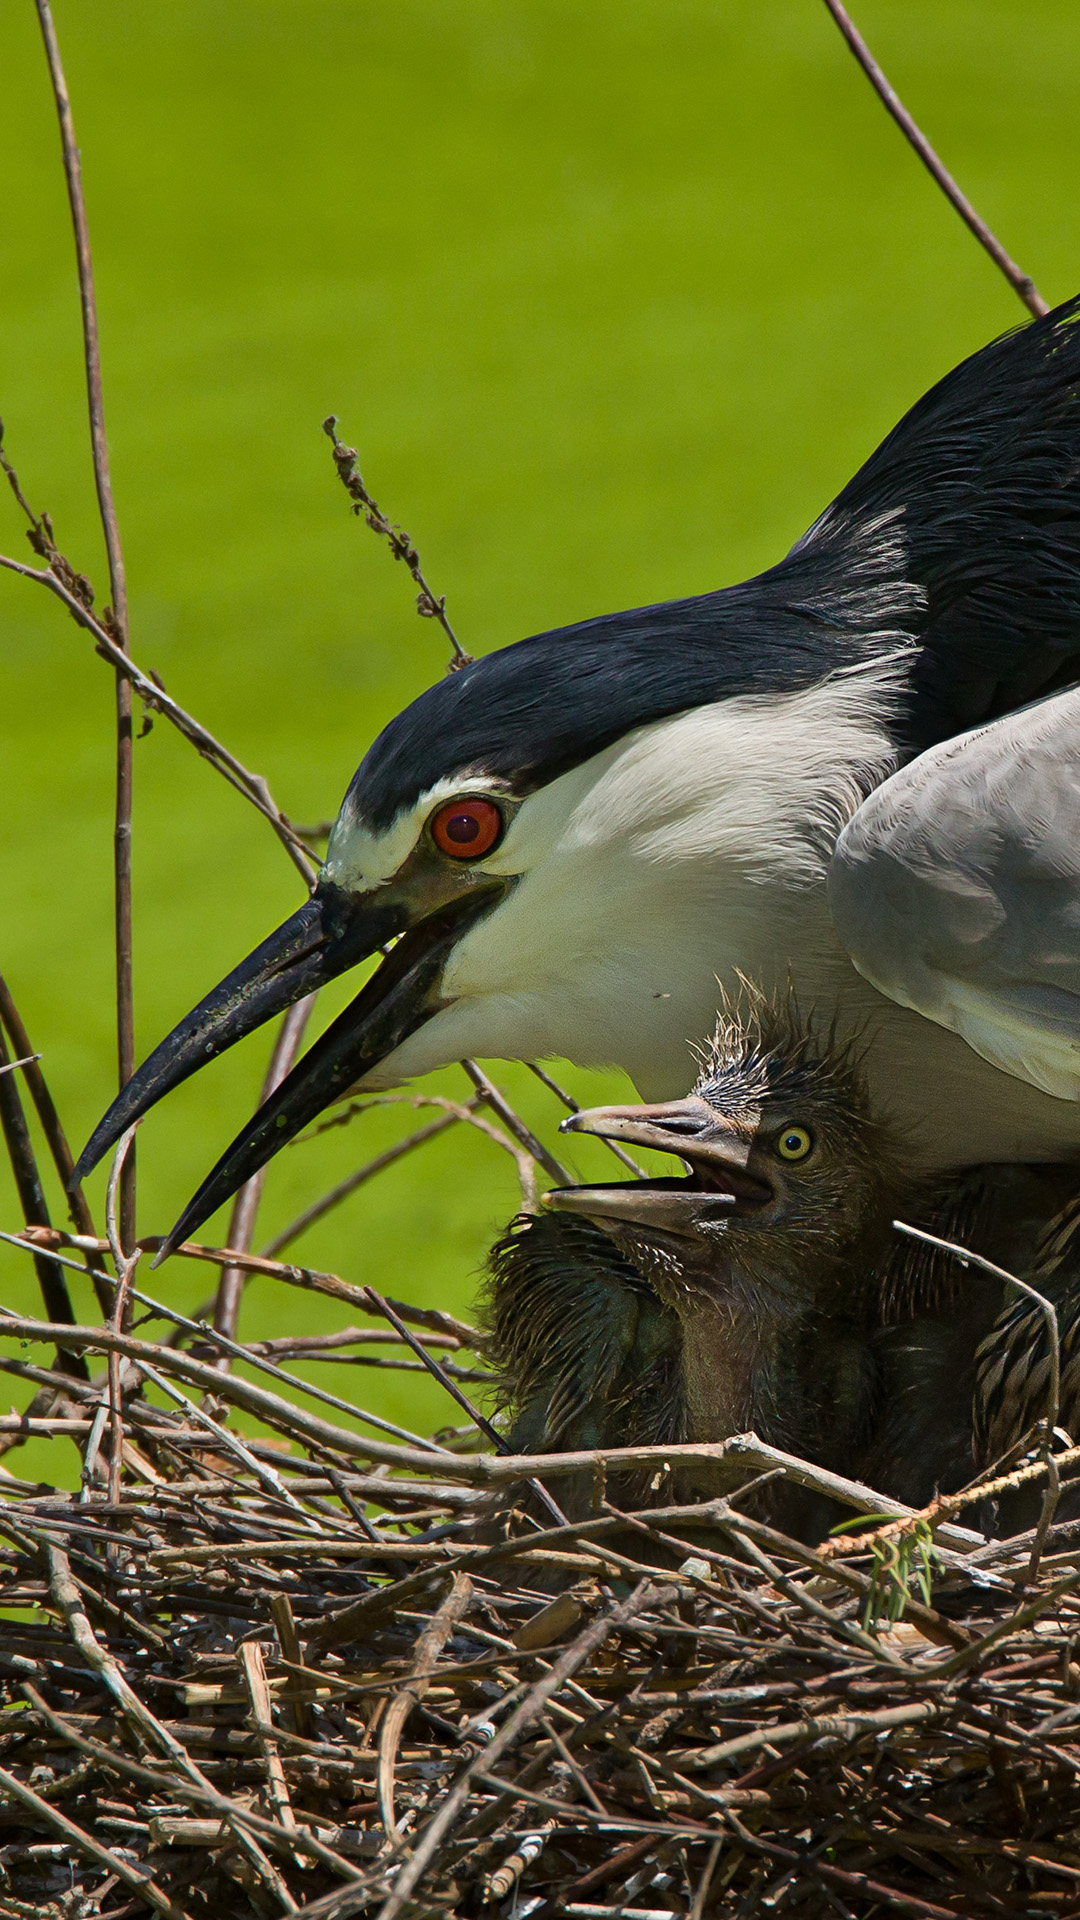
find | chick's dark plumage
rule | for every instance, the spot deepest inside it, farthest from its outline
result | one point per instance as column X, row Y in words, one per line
column 644, row 1312
column 585, row 1353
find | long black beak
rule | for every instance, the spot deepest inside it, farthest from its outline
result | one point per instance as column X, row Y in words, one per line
column 331, row 932
column 391, row 1005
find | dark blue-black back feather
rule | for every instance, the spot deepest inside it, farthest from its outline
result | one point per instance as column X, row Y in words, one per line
column 956, row 544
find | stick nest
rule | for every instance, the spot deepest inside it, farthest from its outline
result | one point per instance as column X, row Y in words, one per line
column 298, row 1683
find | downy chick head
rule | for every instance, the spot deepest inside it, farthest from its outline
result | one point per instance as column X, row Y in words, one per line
column 790, row 1177
column 767, row 1248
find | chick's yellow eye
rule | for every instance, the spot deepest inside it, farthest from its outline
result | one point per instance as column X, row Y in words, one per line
column 466, row 829
column 794, row 1143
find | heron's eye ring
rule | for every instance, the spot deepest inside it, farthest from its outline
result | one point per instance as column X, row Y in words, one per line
column 794, row 1143
column 466, row 829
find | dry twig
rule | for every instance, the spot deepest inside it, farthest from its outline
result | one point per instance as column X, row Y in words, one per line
column 430, row 605
column 245, row 1207
column 45, row 1107
column 35, row 1211
column 1021, row 283
column 116, row 616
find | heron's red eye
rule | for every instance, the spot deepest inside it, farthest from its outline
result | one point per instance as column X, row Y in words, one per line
column 466, row 829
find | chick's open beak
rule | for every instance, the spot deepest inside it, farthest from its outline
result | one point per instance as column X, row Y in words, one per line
column 330, row 933
column 715, row 1151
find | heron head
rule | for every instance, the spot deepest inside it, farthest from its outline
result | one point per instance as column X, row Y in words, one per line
column 543, row 847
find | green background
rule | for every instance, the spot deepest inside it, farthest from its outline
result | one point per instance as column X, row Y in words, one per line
column 611, row 297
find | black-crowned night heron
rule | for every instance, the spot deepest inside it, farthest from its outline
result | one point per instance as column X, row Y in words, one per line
column 571, row 839
column 765, row 1287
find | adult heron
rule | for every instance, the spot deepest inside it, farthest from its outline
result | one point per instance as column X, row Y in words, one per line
column 568, row 841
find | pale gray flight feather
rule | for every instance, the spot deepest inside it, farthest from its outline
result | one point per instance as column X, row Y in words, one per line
column 955, row 888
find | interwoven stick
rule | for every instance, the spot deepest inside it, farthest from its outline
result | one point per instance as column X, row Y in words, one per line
column 67, row 1598
column 187, row 1789
column 142, row 1884
column 210, row 1335
column 743, row 1452
column 254, row 1671
column 428, row 1648
column 580, row 1650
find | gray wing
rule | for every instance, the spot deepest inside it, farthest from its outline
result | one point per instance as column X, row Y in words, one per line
column 956, row 890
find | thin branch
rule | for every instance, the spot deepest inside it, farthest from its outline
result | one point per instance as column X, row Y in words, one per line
column 302, row 1346
column 116, row 617
column 425, row 1656
column 246, row 1204
column 35, row 1211
column 13, row 482
column 352, row 1181
column 697, row 1911
column 1053, row 1398
column 1020, row 282
column 49, row 1118
column 455, row 1111
column 293, row 1275
column 125, row 1264
column 253, row 1667
column 153, row 694
column 513, row 1122
column 430, row 605
column 498, row 1441
column 573, row 1106
column 523, row 1156
column 91, row 343
column 1047, row 1308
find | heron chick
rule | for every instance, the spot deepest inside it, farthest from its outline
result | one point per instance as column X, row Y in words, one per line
column 764, row 1288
